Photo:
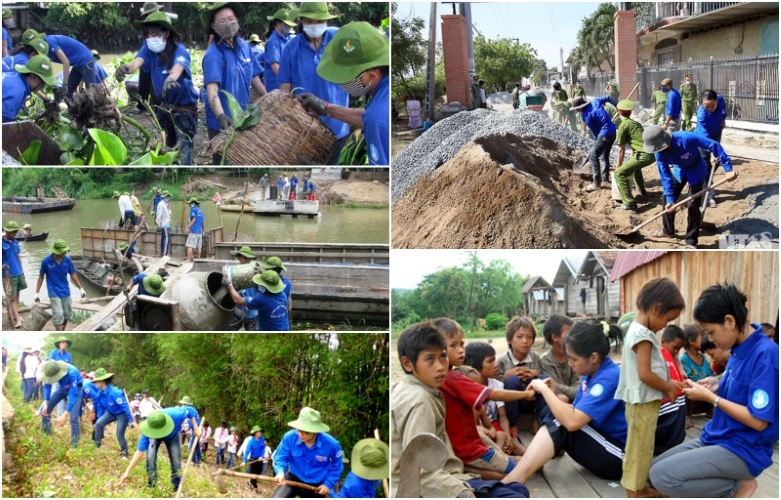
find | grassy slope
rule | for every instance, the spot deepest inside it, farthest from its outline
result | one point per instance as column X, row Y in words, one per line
column 49, row 467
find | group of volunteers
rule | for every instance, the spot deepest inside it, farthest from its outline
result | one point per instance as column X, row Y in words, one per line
column 307, row 454
column 325, row 65
column 287, row 188
column 622, row 422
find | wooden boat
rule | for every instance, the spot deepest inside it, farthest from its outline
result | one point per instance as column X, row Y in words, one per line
column 22, row 205
column 100, row 275
column 32, row 237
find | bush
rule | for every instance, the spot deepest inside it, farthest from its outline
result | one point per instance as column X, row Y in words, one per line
column 404, row 322
column 495, row 321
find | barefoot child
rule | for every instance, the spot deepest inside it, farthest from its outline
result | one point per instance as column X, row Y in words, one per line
column 519, row 365
column 645, row 379
column 554, row 362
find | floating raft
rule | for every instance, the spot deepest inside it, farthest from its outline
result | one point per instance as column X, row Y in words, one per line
column 22, row 205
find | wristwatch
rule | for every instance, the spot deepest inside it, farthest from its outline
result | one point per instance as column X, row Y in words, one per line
column 716, row 401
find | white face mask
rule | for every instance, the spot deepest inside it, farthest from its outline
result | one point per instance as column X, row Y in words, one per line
column 155, row 44
column 315, row 30
column 9, row 23
column 284, row 29
column 355, row 88
column 687, row 81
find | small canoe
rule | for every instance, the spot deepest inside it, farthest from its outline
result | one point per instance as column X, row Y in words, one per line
column 100, row 275
column 32, row 237
column 22, row 205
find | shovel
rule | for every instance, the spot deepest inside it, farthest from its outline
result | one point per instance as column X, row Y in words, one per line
column 424, row 451
column 222, row 487
column 674, row 207
column 579, row 167
column 189, row 460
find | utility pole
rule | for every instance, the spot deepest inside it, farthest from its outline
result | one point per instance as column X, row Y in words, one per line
column 561, row 59
column 470, row 44
column 432, row 63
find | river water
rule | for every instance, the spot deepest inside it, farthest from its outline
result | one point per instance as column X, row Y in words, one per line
column 336, row 225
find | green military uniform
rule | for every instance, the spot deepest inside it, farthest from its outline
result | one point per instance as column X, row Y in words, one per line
column 476, row 101
column 659, row 100
column 688, row 105
column 612, row 92
column 558, row 99
column 631, row 132
column 613, row 112
column 516, row 100
column 578, row 91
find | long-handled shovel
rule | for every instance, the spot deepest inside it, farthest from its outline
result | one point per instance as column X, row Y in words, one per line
column 189, row 459
column 674, row 207
column 222, row 487
column 704, row 207
column 424, row 451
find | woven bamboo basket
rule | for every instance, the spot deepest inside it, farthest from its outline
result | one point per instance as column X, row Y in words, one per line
column 288, row 134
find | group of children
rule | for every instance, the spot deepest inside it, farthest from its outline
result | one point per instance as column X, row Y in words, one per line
column 622, row 422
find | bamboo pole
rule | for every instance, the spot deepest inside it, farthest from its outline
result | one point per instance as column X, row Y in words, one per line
column 243, row 200
column 189, row 459
column 267, row 479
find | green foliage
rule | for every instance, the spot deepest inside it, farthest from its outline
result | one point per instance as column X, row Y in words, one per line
column 409, row 55
column 30, row 155
column 495, row 321
column 109, row 148
column 242, row 119
column 540, row 72
column 354, row 150
column 596, row 39
column 502, row 61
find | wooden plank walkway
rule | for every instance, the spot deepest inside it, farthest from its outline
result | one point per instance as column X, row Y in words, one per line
column 563, row 478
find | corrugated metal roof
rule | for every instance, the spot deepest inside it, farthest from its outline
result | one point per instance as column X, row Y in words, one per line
column 569, row 266
column 597, row 262
column 629, row 261
column 534, row 282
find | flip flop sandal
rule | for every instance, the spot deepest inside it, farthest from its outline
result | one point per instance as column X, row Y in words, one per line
column 591, row 187
column 661, row 234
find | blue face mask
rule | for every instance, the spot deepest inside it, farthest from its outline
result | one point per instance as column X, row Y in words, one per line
column 155, row 44
column 665, row 89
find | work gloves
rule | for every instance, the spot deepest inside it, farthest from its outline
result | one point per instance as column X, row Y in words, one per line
column 37, row 298
column 314, row 103
column 170, row 86
column 226, row 276
column 122, row 72
column 225, row 121
column 83, row 294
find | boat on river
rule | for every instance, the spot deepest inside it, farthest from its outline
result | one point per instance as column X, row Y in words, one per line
column 25, row 205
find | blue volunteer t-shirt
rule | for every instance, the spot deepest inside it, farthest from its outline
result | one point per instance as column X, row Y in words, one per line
column 72, row 381
column 255, row 448
column 11, row 258
column 15, row 92
column 130, row 250
column 293, row 183
column 56, row 355
column 77, row 53
column 597, row 119
column 178, row 415
column 258, row 52
column 57, row 276
column 112, row 400
column 376, row 124
column 320, row 464
column 9, row 43
column 247, row 293
column 298, row 67
column 709, row 124
column 357, row 487
column 186, row 95
column 673, row 106
column 156, row 201
column 596, row 398
column 272, row 310
column 10, row 61
column 197, row 213
column 751, row 380
column 288, row 286
column 273, row 55
column 138, row 279
column 233, row 69
column 91, row 391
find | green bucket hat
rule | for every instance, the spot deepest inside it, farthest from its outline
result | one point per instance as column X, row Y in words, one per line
column 193, row 199
column 154, row 285
column 116, row 194
column 123, row 245
column 39, row 44
column 101, row 374
column 309, row 421
column 246, row 252
column 10, row 226
column 7, row 13
column 155, row 189
column 626, row 105
column 95, row 54
column 284, row 15
column 255, row 429
column 233, row 428
column 166, row 194
column 269, row 280
column 30, row 33
column 273, row 263
column 208, row 14
column 315, row 10
column 41, row 66
column 158, row 18
column 59, row 247
column 126, row 193
column 150, row 7
column 355, row 48
column 54, row 371
column 158, row 425
column 61, row 339
column 254, row 38
column 370, row 459
column 186, row 401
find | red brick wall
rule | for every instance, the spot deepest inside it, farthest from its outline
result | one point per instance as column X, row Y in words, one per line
column 457, row 78
column 626, row 52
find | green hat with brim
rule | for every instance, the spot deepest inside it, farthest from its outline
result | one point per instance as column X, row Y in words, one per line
column 30, row 33
column 193, row 199
column 95, row 54
column 233, row 428
column 61, row 339
column 309, row 421
column 255, row 429
column 59, row 247
column 158, row 425
column 246, row 252
column 254, row 38
column 208, row 14
column 626, row 105
column 158, row 18
column 154, row 284
column 355, row 48
column 123, row 246
column 40, row 66
column 579, row 103
column 101, row 374
column 284, row 15
column 7, row 13
column 116, row 194
column 186, row 401
column 149, row 8
column 269, row 280
column 317, row 11
column 39, row 44
column 166, row 194
column 370, row 459
column 273, row 263
column 10, row 226
column 54, row 371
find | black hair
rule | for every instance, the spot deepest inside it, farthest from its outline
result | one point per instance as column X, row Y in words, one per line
column 476, row 352
column 448, row 327
column 586, row 337
column 691, row 332
column 224, row 423
column 672, row 332
column 22, row 363
column 557, row 86
column 765, row 327
column 419, row 337
column 271, row 27
column 707, row 344
column 516, row 323
column 663, row 292
column 167, row 55
column 717, row 301
column 709, row 95
column 553, row 326
column 481, row 82
column 28, row 49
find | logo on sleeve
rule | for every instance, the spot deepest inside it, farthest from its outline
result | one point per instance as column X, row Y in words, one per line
column 374, row 153
column 686, row 156
column 340, row 454
column 119, row 401
column 760, row 399
column 321, row 458
column 597, row 390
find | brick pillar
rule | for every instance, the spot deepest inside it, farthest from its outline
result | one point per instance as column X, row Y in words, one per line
column 626, row 52
column 456, row 56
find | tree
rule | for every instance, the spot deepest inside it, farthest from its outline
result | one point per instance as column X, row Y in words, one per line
column 596, row 39
column 540, row 72
column 503, row 61
column 409, row 52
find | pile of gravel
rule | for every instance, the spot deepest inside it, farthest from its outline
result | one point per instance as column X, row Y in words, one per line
column 757, row 228
column 446, row 138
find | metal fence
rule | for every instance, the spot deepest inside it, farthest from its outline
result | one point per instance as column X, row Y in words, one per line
column 650, row 14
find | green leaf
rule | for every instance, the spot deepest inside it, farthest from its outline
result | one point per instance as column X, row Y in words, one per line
column 30, row 155
column 109, row 150
column 144, row 160
column 238, row 115
column 70, row 139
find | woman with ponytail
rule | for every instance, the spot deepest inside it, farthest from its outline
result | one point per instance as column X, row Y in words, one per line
column 737, row 444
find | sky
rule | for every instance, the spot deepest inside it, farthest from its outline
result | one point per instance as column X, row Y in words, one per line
column 17, row 339
column 411, row 266
column 545, row 26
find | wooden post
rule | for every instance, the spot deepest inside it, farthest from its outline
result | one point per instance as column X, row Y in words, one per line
column 189, row 459
column 243, row 200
